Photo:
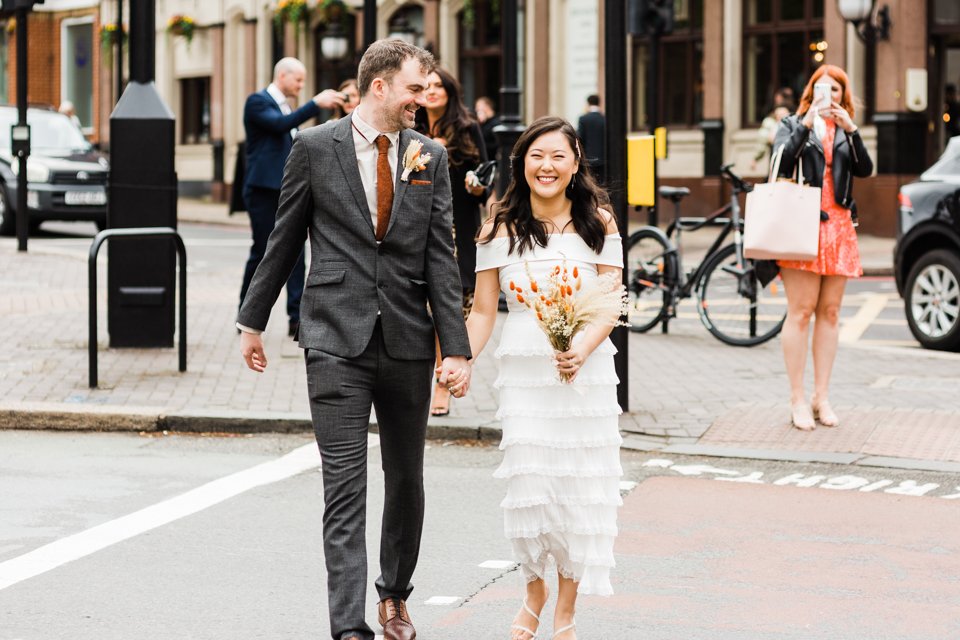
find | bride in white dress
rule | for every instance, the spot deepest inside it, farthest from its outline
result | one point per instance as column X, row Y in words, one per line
column 561, row 441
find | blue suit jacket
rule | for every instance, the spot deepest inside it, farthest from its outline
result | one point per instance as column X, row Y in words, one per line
column 268, row 138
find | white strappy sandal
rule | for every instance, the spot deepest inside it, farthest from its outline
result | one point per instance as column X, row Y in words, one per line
column 518, row 627
column 562, row 630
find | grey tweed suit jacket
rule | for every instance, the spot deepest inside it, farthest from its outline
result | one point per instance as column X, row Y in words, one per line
column 351, row 278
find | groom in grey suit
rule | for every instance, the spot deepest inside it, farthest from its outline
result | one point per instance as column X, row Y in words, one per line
column 381, row 248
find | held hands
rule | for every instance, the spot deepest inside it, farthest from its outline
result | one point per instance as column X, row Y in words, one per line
column 251, row 347
column 328, row 99
column 454, row 373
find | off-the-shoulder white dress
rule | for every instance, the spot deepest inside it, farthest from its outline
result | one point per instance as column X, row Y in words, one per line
column 561, row 442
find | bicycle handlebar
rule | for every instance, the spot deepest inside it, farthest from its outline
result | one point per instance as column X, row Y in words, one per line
column 739, row 184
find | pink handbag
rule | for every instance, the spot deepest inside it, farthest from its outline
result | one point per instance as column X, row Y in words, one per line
column 782, row 218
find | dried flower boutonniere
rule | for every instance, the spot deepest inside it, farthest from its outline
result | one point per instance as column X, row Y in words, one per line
column 413, row 160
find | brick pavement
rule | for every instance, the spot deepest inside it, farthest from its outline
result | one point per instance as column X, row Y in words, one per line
column 685, row 387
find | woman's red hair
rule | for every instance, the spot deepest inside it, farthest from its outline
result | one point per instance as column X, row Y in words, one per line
column 838, row 74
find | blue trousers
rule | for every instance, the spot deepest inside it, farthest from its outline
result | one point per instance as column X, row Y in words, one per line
column 262, row 206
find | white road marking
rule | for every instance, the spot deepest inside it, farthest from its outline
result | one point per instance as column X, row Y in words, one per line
column 87, row 542
column 496, row 564
column 836, row 483
column 873, row 305
column 442, row 600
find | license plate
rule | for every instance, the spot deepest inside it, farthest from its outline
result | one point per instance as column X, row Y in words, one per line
column 88, row 198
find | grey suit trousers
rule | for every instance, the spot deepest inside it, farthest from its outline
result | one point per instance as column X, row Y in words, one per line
column 342, row 391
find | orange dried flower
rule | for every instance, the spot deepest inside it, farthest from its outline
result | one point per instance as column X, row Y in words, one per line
column 520, row 299
column 576, row 274
column 569, row 290
column 512, row 286
column 533, row 286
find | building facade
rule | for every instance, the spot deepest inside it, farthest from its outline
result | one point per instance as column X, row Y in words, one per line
column 716, row 73
column 719, row 68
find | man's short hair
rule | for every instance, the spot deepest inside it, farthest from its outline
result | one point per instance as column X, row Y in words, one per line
column 286, row 65
column 385, row 57
column 488, row 103
column 593, row 100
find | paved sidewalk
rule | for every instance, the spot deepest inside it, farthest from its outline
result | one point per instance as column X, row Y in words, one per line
column 688, row 392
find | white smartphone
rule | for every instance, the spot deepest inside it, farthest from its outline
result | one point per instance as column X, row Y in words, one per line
column 822, row 95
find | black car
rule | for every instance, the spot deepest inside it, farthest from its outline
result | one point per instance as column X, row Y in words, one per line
column 927, row 255
column 66, row 176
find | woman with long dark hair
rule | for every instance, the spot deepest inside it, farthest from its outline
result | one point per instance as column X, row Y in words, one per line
column 561, row 440
column 823, row 137
column 446, row 119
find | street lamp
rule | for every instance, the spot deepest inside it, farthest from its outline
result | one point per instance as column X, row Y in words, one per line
column 870, row 22
column 334, row 43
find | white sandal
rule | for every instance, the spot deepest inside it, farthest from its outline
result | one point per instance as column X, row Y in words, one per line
column 565, row 629
column 533, row 634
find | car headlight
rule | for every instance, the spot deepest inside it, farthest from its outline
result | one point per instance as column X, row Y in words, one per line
column 35, row 172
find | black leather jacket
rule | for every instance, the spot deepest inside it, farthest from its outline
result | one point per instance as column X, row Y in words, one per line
column 850, row 158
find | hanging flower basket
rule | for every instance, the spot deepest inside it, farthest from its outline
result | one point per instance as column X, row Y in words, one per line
column 182, row 25
column 108, row 35
column 292, row 11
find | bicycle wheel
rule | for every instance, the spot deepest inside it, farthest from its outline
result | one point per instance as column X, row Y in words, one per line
column 648, row 270
column 734, row 306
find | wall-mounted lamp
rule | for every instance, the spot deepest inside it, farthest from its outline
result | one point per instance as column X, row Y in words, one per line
column 871, row 23
column 334, row 43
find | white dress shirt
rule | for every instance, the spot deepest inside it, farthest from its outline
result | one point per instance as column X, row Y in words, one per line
column 281, row 99
column 364, row 136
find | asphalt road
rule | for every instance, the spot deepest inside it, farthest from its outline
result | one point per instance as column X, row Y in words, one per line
column 118, row 536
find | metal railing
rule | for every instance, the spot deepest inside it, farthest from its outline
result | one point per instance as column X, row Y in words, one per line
column 144, row 232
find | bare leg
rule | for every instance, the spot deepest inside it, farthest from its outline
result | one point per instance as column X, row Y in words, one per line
column 826, row 335
column 537, row 594
column 803, row 291
column 566, row 608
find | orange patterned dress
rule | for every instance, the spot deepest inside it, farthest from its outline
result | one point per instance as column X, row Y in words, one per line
column 838, row 254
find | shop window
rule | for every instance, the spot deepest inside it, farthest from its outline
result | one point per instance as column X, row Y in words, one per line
column 4, row 56
column 480, row 50
column 782, row 46
column 195, row 110
column 679, row 92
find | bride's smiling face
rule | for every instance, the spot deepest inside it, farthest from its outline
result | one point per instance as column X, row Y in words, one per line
column 549, row 165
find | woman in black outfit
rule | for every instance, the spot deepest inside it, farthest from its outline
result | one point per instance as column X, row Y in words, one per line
column 445, row 118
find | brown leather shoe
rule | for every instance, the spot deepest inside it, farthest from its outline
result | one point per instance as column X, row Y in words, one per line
column 395, row 620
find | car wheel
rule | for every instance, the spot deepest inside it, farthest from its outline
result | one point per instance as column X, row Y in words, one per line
column 933, row 300
column 8, row 221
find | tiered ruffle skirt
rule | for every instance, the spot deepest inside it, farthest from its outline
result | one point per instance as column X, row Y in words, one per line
column 561, row 445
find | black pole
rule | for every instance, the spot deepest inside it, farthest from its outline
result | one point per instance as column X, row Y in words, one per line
column 119, row 41
column 511, row 124
column 142, row 41
column 653, row 111
column 22, row 217
column 369, row 23
column 615, row 78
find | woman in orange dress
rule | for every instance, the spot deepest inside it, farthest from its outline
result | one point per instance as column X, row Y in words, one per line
column 823, row 136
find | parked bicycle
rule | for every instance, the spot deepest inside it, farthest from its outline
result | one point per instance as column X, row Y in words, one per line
column 735, row 302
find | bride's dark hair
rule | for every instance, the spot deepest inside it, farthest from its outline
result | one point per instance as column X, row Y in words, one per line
column 514, row 212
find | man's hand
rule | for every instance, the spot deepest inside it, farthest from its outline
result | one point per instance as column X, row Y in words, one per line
column 328, row 99
column 454, row 374
column 251, row 347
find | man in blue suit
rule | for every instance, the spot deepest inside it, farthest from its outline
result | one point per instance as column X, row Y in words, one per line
column 271, row 125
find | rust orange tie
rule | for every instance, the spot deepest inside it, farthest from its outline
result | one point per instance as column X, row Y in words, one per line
column 384, row 186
